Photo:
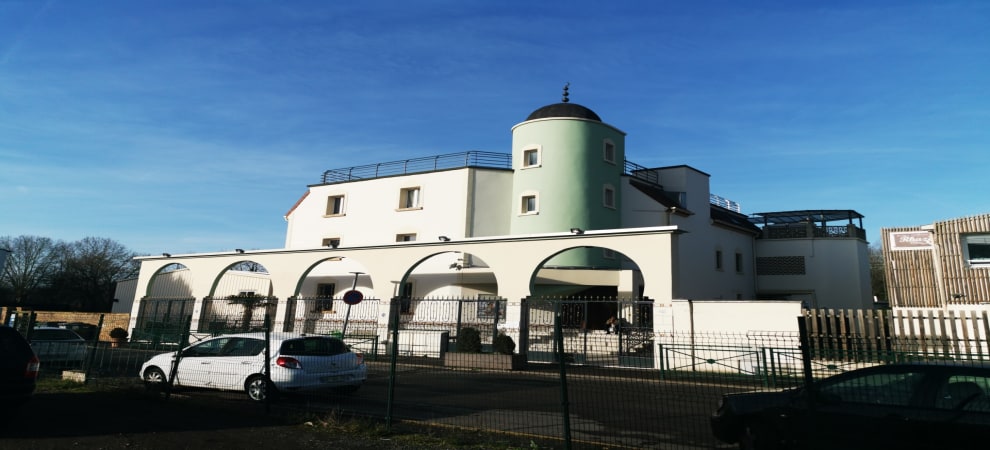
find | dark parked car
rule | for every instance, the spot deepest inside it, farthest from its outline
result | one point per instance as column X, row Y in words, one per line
column 58, row 345
column 18, row 367
column 903, row 406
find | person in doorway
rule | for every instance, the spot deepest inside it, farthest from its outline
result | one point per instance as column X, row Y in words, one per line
column 612, row 325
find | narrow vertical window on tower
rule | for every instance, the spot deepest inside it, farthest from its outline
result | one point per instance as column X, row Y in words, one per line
column 608, row 196
column 531, row 157
column 609, row 152
column 529, row 205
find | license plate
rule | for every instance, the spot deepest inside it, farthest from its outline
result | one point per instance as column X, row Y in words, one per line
column 332, row 379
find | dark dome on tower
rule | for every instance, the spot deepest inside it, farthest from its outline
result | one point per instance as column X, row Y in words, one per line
column 564, row 110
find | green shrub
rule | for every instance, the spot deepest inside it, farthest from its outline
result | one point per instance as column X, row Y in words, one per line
column 118, row 333
column 504, row 344
column 469, row 340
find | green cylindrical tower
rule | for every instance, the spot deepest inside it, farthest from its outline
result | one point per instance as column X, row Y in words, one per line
column 568, row 168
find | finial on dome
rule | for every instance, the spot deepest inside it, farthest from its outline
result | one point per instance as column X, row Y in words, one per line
column 566, row 86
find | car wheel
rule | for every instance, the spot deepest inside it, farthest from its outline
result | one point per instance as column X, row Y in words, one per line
column 154, row 378
column 258, row 388
column 346, row 389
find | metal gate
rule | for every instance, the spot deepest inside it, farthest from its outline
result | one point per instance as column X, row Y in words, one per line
column 602, row 331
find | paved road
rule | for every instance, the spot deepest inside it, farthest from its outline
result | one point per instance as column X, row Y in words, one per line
column 620, row 407
column 623, row 408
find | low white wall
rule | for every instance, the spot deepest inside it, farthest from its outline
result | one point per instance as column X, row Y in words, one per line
column 423, row 343
column 734, row 316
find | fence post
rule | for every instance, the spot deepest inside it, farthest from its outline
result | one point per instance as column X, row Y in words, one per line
column 564, row 402
column 88, row 362
column 267, row 370
column 390, row 394
column 806, row 358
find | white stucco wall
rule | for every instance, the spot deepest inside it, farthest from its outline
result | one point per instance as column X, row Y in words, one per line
column 836, row 271
column 123, row 296
column 733, row 317
column 697, row 276
column 372, row 214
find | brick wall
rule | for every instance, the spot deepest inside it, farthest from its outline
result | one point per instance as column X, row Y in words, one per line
column 110, row 320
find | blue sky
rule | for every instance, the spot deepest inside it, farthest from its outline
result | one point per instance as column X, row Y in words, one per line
column 192, row 126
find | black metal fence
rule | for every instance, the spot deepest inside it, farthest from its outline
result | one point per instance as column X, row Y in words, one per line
column 579, row 386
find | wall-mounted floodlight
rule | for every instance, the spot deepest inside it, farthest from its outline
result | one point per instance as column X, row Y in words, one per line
column 445, row 238
column 167, row 255
column 577, row 230
column 239, row 250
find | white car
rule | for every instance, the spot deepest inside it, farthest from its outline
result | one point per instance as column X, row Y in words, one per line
column 58, row 345
column 234, row 362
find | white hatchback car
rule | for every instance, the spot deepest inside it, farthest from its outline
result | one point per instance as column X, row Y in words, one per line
column 234, row 362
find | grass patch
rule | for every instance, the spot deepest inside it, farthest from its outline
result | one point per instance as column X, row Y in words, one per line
column 54, row 385
column 406, row 435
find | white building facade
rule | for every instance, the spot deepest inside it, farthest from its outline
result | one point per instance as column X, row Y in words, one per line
column 564, row 215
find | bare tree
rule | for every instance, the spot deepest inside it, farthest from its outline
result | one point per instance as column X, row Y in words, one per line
column 91, row 268
column 32, row 264
column 878, row 279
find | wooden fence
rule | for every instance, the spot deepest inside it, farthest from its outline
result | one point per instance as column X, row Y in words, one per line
column 900, row 334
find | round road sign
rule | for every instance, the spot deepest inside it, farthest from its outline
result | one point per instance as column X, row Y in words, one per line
column 353, row 297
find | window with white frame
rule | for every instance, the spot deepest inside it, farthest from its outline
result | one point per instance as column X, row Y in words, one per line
column 409, row 198
column 739, row 262
column 718, row 260
column 335, row 205
column 608, row 196
column 406, row 237
column 976, row 249
column 529, row 204
column 608, row 152
column 531, row 157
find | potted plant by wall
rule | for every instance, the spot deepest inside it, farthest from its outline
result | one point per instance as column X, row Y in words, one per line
column 118, row 336
column 469, row 354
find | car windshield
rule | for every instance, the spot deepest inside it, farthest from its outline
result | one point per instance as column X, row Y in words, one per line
column 313, row 346
column 53, row 335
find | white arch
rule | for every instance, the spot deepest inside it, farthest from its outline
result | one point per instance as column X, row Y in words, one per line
column 512, row 259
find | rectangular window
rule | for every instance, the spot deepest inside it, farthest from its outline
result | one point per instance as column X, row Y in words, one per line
column 531, row 157
column 739, row 263
column 408, row 237
column 324, row 294
column 409, row 198
column 608, row 197
column 609, row 153
column 331, row 242
column 976, row 249
column 335, row 205
column 718, row 260
column 529, row 205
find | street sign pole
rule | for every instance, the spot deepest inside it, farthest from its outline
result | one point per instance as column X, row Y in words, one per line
column 351, row 297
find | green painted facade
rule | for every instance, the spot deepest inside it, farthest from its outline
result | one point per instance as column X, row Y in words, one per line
column 569, row 182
